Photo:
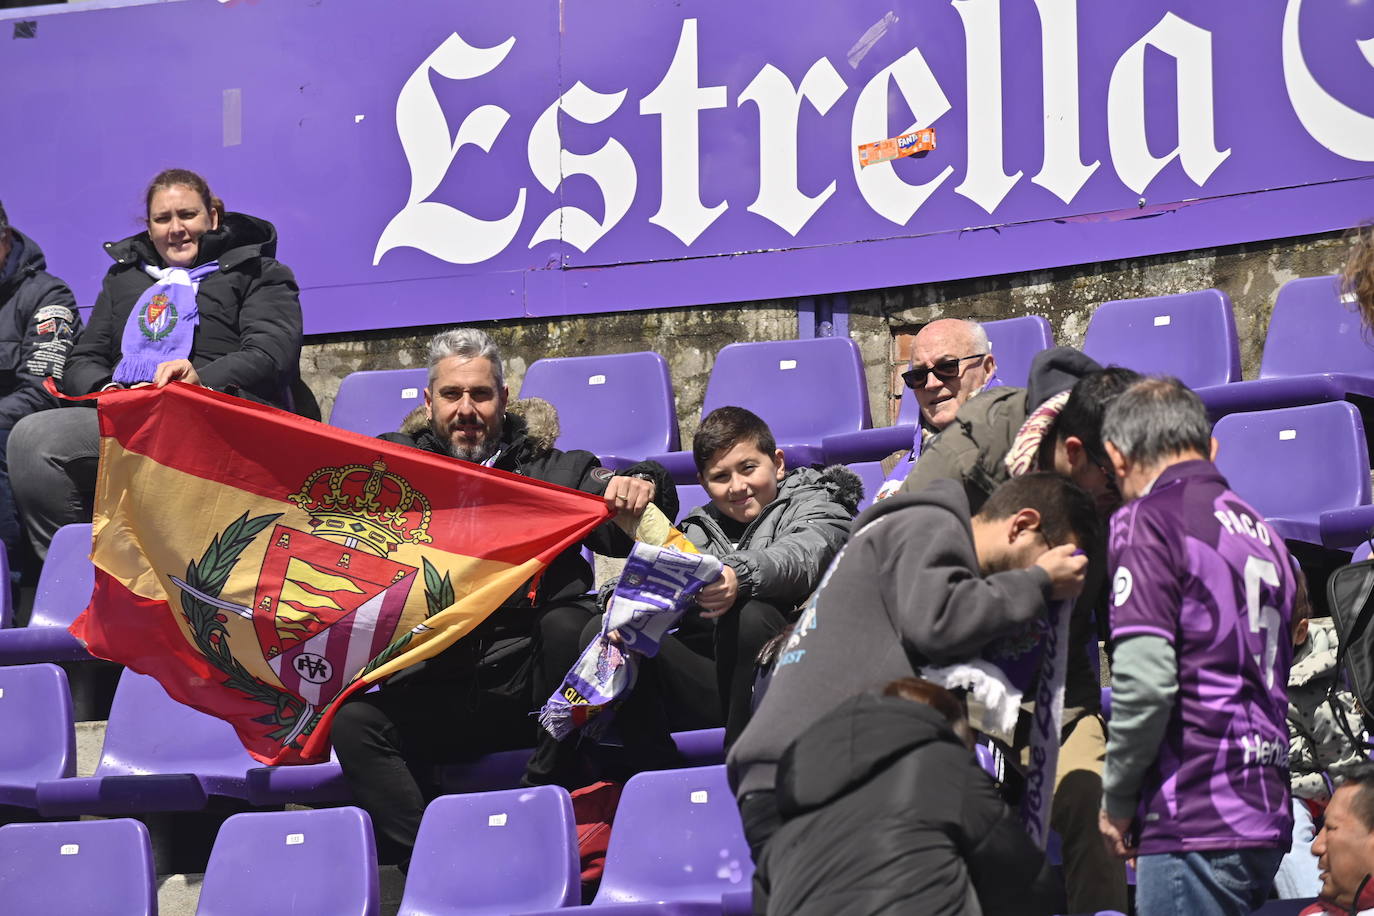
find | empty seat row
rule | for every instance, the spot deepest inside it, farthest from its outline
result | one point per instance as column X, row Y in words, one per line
column 677, row 837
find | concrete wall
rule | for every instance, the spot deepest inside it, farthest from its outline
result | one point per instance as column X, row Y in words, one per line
column 689, row 338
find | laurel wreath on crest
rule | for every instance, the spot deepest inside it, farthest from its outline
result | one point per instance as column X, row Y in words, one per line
column 209, row 575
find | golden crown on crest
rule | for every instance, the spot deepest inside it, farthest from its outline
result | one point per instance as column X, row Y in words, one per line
column 365, row 506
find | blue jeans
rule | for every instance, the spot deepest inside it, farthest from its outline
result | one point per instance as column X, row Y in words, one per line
column 1224, row 882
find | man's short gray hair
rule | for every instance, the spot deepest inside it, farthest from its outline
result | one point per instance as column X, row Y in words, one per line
column 981, row 343
column 1156, row 418
column 465, row 343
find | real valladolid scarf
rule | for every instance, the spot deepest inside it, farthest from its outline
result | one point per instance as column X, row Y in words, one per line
column 163, row 322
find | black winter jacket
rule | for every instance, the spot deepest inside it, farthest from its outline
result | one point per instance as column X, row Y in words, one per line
column 885, row 811
column 248, row 341
column 38, row 326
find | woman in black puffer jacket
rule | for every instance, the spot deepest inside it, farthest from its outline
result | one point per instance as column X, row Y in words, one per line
column 197, row 297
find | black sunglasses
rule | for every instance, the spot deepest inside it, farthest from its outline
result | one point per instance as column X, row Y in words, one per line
column 943, row 370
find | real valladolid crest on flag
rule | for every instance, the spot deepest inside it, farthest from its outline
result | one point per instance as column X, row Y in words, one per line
column 262, row 566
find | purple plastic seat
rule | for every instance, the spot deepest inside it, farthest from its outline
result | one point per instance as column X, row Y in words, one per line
column 1015, row 341
column 376, row 402
column 6, row 599
column 804, row 390
column 1296, row 463
column 618, row 407
column 95, row 868
column 36, row 720
column 689, row 497
column 1315, row 351
column 64, row 590
column 158, row 756
column 871, row 473
column 495, row 853
column 293, row 863
column 1191, row 336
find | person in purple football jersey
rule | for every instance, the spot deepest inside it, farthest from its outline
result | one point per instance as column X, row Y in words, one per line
column 1196, row 778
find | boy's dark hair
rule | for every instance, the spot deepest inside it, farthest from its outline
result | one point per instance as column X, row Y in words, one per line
column 1155, row 419
column 1361, row 776
column 1083, row 412
column 726, row 427
column 919, row 690
column 1066, row 510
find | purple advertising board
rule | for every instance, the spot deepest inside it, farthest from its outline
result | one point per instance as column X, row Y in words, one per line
column 434, row 162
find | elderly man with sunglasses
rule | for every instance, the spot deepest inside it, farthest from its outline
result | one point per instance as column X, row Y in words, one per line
column 951, row 361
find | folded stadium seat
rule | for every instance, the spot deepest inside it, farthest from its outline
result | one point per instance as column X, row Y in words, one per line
column 158, row 756
column 376, row 402
column 64, row 590
column 677, row 845
column 494, row 853
column 1191, row 336
column 1015, row 341
column 1298, row 466
column 618, row 407
column 1315, row 350
column 804, row 390
column 293, row 863
column 95, row 868
column 871, row 473
column 324, row 783
column 36, row 718
column 689, row 496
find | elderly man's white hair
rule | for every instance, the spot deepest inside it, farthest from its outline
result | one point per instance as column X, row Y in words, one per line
column 465, row 343
column 981, row 343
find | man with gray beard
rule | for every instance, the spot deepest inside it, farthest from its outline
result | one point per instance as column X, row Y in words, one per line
column 477, row 696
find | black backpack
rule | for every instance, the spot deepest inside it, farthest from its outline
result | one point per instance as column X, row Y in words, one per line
column 1350, row 597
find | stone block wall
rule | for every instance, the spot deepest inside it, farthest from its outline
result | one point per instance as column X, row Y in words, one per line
column 688, row 338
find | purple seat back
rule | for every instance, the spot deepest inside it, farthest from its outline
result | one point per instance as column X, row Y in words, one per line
column 620, row 404
column 1312, row 330
column 689, row 497
column 149, row 732
column 96, row 868
column 67, row 579
column 376, row 402
column 495, row 853
column 1191, row 336
column 6, row 598
column 677, row 837
column 804, row 390
column 36, row 718
column 1015, row 341
column 871, row 473
column 306, row 863
column 1296, row 462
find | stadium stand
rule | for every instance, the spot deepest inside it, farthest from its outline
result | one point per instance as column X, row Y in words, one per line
column 494, row 853
column 36, row 707
column 1315, row 350
column 1015, row 341
column 96, row 868
column 375, row 402
column 618, row 407
column 64, row 590
column 1317, row 451
column 804, row 390
column 295, row 863
column 158, row 756
column 1191, row 336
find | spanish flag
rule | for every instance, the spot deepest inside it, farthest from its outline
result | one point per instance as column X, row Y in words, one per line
column 263, row 567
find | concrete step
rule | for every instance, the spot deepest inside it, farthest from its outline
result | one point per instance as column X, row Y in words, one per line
column 90, row 736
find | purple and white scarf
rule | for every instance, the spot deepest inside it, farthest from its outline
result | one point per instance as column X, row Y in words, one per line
column 163, row 322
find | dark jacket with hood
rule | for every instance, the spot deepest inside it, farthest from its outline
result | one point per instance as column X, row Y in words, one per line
column 971, row 450
column 530, row 453
column 884, row 810
column 38, row 326
column 904, row 592
column 782, row 553
column 248, row 342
